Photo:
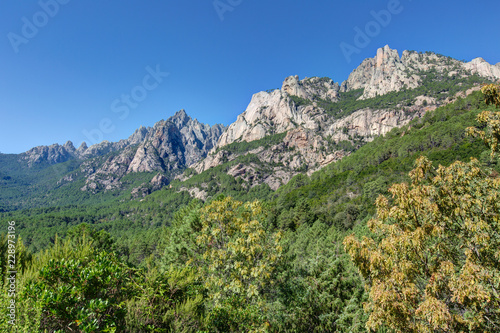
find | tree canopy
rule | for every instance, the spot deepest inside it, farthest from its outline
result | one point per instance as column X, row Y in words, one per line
column 433, row 261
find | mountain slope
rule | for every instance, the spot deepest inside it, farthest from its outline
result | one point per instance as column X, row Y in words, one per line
column 340, row 194
column 325, row 121
column 167, row 148
column 299, row 128
column 55, row 175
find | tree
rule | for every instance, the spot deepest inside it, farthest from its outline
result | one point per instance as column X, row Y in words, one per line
column 489, row 121
column 433, row 263
column 169, row 301
column 70, row 286
column 238, row 261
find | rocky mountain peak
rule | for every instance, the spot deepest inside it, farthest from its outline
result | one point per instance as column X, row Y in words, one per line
column 276, row 112
column 138, row 136
column 69, row 146
column 388, row 72
column 380, row 75
column 52, row 154
column 386, row 57
column 311, row 88
column 180, row 118
column 83, row 146
column 168, row 147
column 483, row 68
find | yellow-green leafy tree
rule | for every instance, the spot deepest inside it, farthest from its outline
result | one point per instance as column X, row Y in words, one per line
column 433, row 263
column 238, row 262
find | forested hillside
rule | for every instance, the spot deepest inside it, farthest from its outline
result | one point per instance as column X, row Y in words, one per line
column 253, row 259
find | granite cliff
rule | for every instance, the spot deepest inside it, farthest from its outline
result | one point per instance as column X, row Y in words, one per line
column 299, row 128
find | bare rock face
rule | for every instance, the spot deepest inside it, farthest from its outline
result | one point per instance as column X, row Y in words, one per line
column 275, row 112
column 169, row 146
column 52, row 154
column 159, row 181
column 174, row 144
column 481, row 67
column 388, row 72
column 311, row 88
column 267, row 113
column 138, row 136
column 368, row 123
column 106, row 176
column 380, row 75
column 301, row 150
column 146, row 159
column 211, row 161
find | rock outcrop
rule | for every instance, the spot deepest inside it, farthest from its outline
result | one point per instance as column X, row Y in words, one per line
column 167, row 147
column 52, row 154
column 276, row 112
column 480, row 67
column 315, row 113
column 175, row 143
column 369, row 123
column 380, row 75
column 388, row 72
column 299, row 108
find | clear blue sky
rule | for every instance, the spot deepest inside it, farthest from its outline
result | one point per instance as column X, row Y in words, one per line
column 86, row 55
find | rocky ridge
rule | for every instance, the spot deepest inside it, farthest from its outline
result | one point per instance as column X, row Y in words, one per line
column 301, row 110
column 388, row 72
column 166, row 148
column 297, row 109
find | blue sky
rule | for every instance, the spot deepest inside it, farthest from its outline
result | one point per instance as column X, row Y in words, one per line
column 67, row 70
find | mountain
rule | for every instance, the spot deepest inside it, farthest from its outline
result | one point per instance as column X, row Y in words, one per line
column 300, row 128
column 325, row 121
column 58, row 174
column 387, row 72
column 166, row 207
column 166, row 148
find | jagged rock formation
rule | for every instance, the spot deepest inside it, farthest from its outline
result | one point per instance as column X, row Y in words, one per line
column 52, row 154
column 482, row 68
column 169, row 146
column 56, row 153
column 308, row 114
column 175, row 143
column 311, row 88
column 388, row 72
column 298, row 109
column 368, row 123
column 380, row 75
column 276, row 112
column 155, row 184
column 301, row 150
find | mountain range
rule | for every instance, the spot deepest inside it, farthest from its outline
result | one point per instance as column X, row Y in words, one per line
column 300, row 128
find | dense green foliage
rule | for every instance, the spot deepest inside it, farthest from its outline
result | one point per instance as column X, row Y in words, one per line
column 43, row 185
column 434, row 84
column 244, row 146
column 167, row 262
column 433, row 263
